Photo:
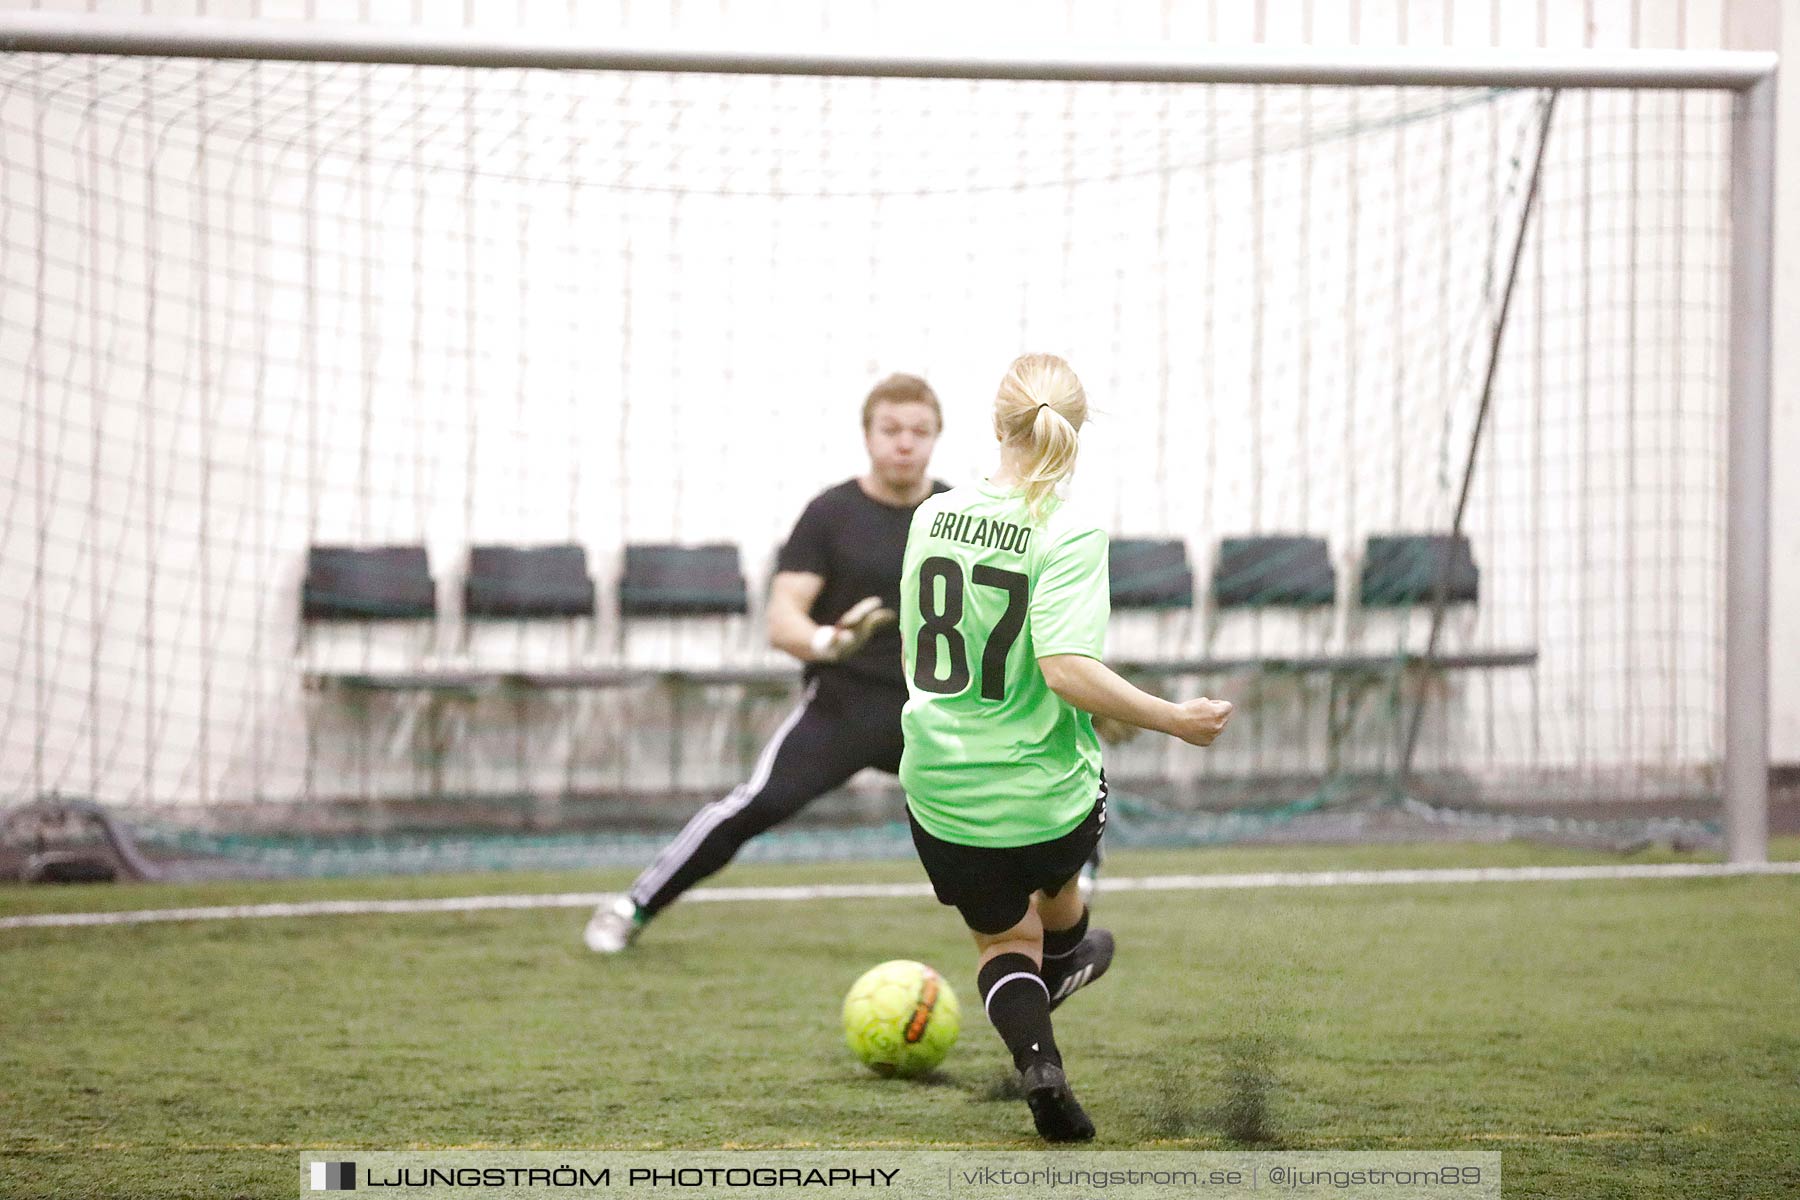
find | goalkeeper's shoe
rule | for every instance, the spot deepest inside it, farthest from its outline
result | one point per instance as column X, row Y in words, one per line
column 1054, row 1109
column 614, row 926
column 1083, row 965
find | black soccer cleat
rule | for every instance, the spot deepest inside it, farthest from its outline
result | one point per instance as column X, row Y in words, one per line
column 1083, row 965
column 1054, row 1109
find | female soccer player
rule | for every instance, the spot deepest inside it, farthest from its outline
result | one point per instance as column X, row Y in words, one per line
column 1003, row 610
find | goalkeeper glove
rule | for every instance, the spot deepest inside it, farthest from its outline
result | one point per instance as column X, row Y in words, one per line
column 834, row 643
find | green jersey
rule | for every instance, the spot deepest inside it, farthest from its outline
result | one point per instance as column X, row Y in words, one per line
column 993, row 756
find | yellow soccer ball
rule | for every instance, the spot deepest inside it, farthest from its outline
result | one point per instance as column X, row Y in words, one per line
column 901, row 1018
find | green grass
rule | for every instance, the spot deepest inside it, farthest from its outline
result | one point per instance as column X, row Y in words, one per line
column 1610, row 1038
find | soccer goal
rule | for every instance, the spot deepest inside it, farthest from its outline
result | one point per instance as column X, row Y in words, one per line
column 1433, row 397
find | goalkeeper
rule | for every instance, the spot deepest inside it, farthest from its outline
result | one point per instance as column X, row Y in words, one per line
column 831, row 605
column 1003, row 610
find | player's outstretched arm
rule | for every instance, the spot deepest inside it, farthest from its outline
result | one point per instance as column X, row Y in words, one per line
column 1095, row 688
column 791, row 597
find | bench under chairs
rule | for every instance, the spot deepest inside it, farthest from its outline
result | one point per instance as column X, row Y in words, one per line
column 527, row 584
column 392, row 585
column 377, row 588
column 1295, row 573
column 372, row 586
column 509, row 583
column 382, row 584
column 684, row 583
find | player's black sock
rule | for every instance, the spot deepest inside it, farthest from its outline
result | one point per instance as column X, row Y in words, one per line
column 1060, row 943
column 1019, row 1006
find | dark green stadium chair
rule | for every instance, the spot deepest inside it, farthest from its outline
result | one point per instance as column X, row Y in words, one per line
column 377, row 584
column 1277, row 570
column 1403, row 570
column 528, row 581
column 1150, row 573
column 367, row 583
column 663, row 580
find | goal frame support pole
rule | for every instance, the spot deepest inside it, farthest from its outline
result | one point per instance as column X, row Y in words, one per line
column 1748, row 496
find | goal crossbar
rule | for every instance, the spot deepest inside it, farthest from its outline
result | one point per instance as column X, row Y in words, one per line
column 42, row 32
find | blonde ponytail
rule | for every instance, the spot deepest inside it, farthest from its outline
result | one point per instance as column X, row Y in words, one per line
column 1040, row 409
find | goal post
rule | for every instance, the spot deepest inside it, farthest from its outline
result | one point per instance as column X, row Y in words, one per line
column 1747, row 473
column 42, row 748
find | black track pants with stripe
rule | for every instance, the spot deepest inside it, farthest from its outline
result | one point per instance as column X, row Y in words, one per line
column 841, row 726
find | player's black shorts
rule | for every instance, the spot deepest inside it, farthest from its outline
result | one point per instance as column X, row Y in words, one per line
column 991, row 886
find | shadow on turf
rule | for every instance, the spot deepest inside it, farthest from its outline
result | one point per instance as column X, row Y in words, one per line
column 1005, row 1085
column 1177, row 1103
column 1249, row 1077
column 931, row 1079
column 935, row 1079
column 1178, row 1100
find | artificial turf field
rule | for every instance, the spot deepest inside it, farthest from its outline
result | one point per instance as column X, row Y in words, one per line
column 1610, row 1038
